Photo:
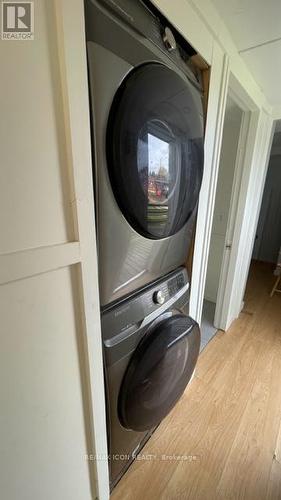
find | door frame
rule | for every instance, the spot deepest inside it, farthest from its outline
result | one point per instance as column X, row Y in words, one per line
column 219, row 76
column 253, row 167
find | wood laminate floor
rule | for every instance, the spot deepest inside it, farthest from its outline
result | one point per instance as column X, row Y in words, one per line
column 223, row 438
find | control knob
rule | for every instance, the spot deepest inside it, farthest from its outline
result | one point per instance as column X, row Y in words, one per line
column 169, row 39
column 159, row 297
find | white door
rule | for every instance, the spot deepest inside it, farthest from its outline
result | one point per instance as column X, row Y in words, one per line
column 222, row 302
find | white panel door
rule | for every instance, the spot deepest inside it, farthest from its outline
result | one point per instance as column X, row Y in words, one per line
column 221, row 304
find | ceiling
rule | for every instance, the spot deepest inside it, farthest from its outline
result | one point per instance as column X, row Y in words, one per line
column 255, row 26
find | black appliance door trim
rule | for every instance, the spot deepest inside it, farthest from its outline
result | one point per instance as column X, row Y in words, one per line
column 154, row 148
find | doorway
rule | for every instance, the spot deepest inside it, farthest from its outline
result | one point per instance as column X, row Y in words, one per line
column 265, row 267
column 268, row 234
column 229, row 178
column 255, row 140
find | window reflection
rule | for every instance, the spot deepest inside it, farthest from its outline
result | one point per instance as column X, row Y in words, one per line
column 157, row 168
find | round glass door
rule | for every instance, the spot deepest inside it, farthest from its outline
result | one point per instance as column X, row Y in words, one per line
column 158, row 372
column 155, row 150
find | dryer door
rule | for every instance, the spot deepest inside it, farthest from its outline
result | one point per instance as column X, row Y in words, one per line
column 155, row 149
column 158, row 372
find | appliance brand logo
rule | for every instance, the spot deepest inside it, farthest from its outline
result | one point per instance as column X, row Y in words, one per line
column 17, row 21
column 121, row 311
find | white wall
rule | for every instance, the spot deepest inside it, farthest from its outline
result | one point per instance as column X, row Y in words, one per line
column 268, row 234
column 50, row 330
column 230, row 139
column 43, row 438
column 34, row 201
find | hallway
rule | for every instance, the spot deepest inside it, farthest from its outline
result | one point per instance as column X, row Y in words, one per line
column 223, row 439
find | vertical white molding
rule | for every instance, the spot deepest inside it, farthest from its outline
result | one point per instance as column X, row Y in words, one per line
column 213, row 136
column 73, row 69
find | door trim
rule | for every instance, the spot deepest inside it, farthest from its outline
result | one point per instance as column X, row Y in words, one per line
column 213, row 136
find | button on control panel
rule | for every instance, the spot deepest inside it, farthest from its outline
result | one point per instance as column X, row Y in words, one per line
column 168, row 290
column 159, row 297
column 169, row 39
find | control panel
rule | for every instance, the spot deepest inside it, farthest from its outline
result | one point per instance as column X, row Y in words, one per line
column 143, row 303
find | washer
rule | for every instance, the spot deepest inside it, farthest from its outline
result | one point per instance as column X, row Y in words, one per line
column 151, row 346
column 147, row 135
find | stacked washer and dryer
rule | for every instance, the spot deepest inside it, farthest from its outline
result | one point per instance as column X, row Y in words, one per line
column 147, row 135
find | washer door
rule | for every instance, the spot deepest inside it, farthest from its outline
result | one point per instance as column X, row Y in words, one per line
column 155, row 150
column 158, row 372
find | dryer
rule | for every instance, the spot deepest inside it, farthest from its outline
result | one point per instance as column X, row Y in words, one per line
column 147, row 135
column 151, row 347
